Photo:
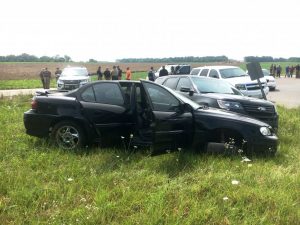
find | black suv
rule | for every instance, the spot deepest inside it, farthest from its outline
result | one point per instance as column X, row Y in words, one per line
column 220, row 94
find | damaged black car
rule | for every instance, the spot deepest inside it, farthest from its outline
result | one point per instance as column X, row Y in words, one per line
column 151, row 114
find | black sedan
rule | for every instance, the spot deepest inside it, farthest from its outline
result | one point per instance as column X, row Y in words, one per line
column 220, row 94
column 147, row 113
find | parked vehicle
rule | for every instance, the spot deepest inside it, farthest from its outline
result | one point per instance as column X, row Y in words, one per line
column 72, row 78
column 178, row 69
column 270, row 79
column 235, row 76
column 220, row 94
column 153, row 114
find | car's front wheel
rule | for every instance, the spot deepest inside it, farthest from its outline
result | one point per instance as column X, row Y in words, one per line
column 68, row 135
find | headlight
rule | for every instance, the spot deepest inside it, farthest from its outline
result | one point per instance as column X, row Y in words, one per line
column 84, row 81
column 265, row 131
column 229, row 105
column 60, row 81
column 240, row 86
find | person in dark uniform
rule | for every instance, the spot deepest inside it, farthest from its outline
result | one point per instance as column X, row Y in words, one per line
column 57, row 73
column 298, row 71
column 163, row 72
column 119, row 73
column 42, row 77
column 107, row 74
column 151, row 75
column 47, row 78
column 99, row 73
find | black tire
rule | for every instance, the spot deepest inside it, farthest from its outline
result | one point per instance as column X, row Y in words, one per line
column 68, row 135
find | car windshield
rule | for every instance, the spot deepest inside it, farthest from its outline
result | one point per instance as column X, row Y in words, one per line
column 266, row 72
column 214, row 86
column 232, row 72
column 75, row 72
column 184, row 99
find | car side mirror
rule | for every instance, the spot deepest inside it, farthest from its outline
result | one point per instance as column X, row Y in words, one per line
column 187, row 89
column 184, row 89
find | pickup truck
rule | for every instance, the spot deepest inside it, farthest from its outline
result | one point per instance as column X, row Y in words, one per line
column 143, row 113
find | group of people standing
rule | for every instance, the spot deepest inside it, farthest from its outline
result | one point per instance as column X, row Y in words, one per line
column 289, row 71
column 45, row 76
column 114, row 74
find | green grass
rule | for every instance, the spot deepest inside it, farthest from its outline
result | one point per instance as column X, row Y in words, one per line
column 23, row 84
column 36, row 83
column 41, row 184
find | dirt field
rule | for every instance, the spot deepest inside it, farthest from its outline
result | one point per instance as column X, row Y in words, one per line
column 17, row 71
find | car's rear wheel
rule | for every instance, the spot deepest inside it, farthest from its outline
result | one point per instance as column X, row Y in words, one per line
column 68, row 135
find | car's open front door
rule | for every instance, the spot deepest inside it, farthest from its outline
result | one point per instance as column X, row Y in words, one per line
column 170, row 121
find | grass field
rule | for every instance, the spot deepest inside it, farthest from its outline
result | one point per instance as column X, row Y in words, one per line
column 36, row 83
column 41, row 184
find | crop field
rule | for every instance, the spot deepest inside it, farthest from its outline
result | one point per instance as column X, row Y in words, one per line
column 26, row 75
column 41, row 184
column 22, row 71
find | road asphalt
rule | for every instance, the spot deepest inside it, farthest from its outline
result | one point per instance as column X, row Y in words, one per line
column 287, row 92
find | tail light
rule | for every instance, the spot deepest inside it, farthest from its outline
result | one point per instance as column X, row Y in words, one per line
column 34, row 104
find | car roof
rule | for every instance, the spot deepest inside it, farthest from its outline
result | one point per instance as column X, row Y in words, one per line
column 188, row 75
column 215, row 67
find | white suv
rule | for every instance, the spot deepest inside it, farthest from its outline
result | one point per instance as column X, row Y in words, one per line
column 72, row 78
column 236, row 77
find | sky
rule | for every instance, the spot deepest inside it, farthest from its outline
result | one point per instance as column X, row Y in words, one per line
column 116, row 29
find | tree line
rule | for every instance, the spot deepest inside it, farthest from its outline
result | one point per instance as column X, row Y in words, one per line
column 32, row 58
column 188, row 59
column 270, row 59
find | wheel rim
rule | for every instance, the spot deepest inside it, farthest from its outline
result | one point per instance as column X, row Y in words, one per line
column 67, row 137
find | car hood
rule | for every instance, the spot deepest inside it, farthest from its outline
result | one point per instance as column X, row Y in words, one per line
column 215, row 114
column 270, row 78
column 243, row 80
column 74, row 78
column 238, row 98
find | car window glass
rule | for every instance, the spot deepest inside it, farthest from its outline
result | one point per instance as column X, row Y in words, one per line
column 126, row 88
column 161, row 99
column 171, row 82
column 88, row 95
column 75, row 71
column 206, row 85
column 204, row 72
column 213, row 73
column 195, row 71
column 184, row 70
column 184, row 82
column 108, row 93
column 232, row 72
